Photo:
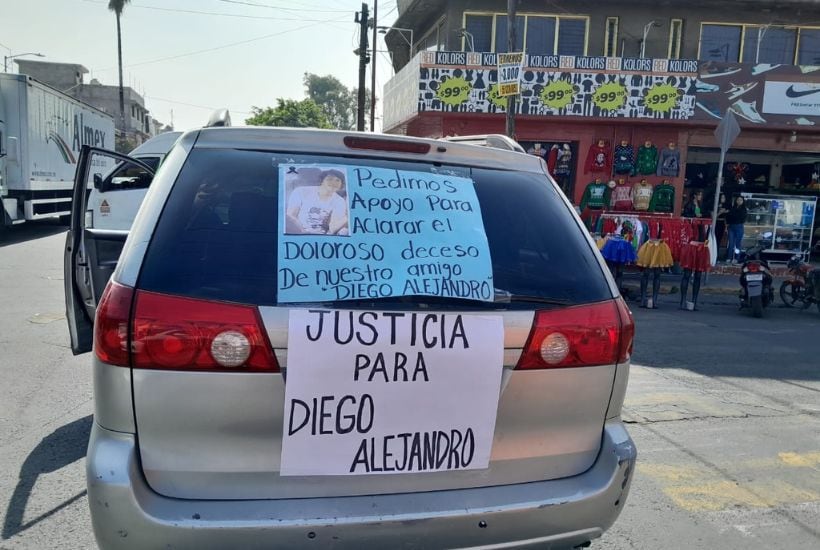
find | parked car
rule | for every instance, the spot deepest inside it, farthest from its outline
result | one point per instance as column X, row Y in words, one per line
column 311, row 337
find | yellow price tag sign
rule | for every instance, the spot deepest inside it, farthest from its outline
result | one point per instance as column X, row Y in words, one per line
column 662, row 98
column 610, row 96
column 454, row 91
column 557, row 94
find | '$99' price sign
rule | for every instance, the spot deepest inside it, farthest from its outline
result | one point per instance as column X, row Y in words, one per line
column 557, row 94
column 610, row 96
column 454, row 91
column 661, row 98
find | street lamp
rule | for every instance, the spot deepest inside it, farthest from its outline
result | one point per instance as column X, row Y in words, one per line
column 385, row 30
column 7, row 58
column 646, row 28
column 468, row 37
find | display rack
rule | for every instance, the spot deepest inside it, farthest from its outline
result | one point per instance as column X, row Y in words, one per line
column 782, row 224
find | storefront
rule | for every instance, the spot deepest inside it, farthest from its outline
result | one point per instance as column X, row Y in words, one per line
column 615, row 131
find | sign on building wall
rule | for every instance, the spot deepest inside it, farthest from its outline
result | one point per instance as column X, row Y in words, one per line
column 510, row 66
column 468, row 82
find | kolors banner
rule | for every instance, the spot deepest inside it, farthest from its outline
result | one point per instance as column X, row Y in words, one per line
column 558, row 85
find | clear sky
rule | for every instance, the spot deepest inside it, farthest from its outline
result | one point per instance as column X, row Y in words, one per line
column 255, row 50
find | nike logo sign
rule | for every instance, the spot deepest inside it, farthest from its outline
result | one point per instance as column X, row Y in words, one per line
column 791, row 92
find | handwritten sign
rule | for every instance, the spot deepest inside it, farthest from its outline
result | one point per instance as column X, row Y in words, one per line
column 373, row 392
column 510, row 67
column 359, row 232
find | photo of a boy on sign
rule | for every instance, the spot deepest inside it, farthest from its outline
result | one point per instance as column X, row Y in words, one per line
column 316, row 201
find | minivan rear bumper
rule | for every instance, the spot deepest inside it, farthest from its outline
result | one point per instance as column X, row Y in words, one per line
column 127, row 513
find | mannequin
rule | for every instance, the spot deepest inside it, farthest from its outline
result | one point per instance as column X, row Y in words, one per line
column 663, row 198
column 536, row 150
column 653, row 256
column 695, row 259
column 624, row 158
column 647, row 161
column 598, row 158
column 563, row 167
column 642, row 195
column 596, row 195
column 669, row 163
column 621, row 196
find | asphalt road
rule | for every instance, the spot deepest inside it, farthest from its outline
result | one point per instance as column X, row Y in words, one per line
column 724, row 409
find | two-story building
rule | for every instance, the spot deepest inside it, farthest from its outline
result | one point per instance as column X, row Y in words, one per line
column 653, row 74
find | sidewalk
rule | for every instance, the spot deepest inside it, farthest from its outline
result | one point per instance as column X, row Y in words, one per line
column 711, row 283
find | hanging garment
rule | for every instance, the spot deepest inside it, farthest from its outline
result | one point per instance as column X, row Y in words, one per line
column 663, row 198
column 552, row 159
column 624, row 159
column 619, row 251
column 642, row 196
column 596, row 196
column 621, row 197
column 713, row 251
column 647, row 161
column 563, row 161
column 598, row 159
column 695, row 256
column 655, row 254
column 669, row 163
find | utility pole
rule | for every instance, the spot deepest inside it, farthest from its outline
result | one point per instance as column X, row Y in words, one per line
column 373, row 69
column 362, row 21
column 511, row 7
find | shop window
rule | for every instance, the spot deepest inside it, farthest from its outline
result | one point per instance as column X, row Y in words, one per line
column 611, row 38
column 767, row 44
column 808, row 51
column 480, row 29
column 540, row 35
column 675, row 34
column 572, row 36
column 720, row 42
column 501, row 33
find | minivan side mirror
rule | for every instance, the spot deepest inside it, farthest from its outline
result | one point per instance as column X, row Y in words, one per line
column 98, row 182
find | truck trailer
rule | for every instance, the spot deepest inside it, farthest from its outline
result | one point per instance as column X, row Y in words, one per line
column 41, row 132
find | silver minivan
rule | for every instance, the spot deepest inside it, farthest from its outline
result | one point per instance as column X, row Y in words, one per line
column 312, row 338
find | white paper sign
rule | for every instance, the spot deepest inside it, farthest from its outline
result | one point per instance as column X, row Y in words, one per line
column 372, row 392
column 510, row 68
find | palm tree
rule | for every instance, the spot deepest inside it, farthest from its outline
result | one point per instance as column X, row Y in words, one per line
column 117, row 6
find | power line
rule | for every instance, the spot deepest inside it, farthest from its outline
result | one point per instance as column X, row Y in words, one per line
column 221, row 14
column 257, row 5
column 154, row 98
column 221, row 47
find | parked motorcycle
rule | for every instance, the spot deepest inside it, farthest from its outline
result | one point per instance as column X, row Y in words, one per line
column 756, row 281
column 802, row 288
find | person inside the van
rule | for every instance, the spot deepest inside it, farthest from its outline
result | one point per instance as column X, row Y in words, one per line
column 318, row 209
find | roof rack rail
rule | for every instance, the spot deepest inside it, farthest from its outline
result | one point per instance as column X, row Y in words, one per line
column 498, row 141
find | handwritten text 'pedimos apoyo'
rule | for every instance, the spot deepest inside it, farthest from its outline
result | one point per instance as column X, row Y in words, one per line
column 410, row 233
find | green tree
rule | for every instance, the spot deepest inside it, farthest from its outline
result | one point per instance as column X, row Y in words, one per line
column 289, row 112
column 117, row 6
column 337, row 101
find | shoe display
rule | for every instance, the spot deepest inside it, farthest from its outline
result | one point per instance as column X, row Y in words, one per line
column 737, row 91
column 761, row 68
column 723, row 72
column 803, row 121
column 705, row 87
column 748, row 110
column 710, row 110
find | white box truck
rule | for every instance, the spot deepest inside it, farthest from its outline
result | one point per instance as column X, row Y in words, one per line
column 41, row 133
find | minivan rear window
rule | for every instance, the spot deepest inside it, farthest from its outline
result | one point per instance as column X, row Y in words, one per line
column 217, row 237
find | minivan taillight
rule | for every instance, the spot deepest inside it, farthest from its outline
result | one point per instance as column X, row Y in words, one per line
column 171, row 332
column 111, row 324
column 579, row 336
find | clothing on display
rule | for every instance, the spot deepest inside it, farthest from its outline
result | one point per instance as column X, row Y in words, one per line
column 621, row 196
column 537, row 150
column 655, row 253
column 642, row 196
column 596, row 196
column 663, row 198
column 647, row 162
column 669, row 163
column 624, row 159
column 598, row 158
column 618, row 250
column 563, row 161
column 552, row 159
